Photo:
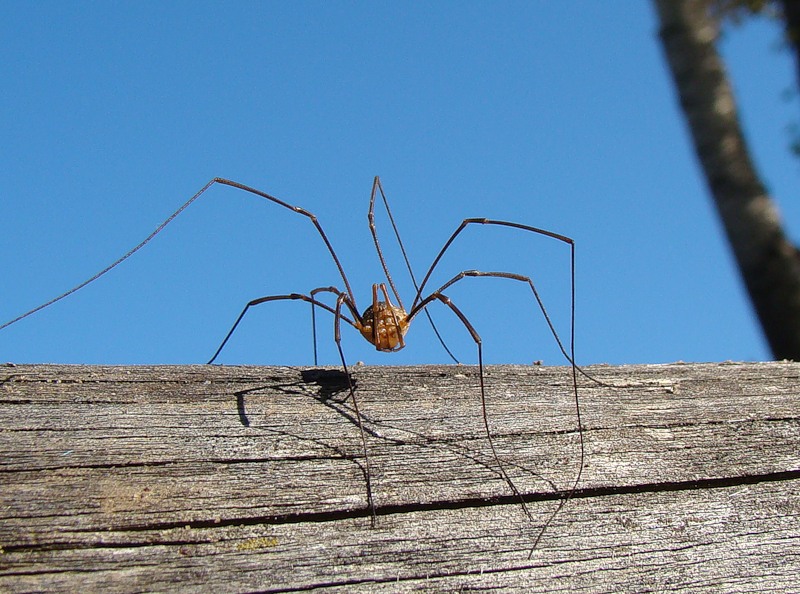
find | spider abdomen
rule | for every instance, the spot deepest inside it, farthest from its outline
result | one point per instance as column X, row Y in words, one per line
column 384, row 325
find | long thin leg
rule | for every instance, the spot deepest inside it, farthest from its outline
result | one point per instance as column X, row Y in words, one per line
column 337, row 292
column 569, row 356
column 299, row 296
column 343, row 298
column 376, row 186
column 509, row 275
column 467, row 222
column 114, row 264
column 476, row 337
column 216, row 180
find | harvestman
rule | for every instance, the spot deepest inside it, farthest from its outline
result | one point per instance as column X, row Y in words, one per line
column 385, row 324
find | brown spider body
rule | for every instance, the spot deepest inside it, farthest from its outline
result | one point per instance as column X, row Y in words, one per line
column 383, row 323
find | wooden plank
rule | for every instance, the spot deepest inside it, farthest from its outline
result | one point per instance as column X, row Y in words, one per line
column 251, row 479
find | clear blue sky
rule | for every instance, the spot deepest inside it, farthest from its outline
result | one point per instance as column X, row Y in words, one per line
column 559, row 115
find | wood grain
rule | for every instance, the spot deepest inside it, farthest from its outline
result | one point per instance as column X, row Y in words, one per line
column 239, row 479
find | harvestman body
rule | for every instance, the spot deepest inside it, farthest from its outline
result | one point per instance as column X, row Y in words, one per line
column 385, row 324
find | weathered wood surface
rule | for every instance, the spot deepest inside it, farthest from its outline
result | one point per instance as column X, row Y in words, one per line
column 239, row 479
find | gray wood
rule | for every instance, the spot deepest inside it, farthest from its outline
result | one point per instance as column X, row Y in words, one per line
column 237, row 479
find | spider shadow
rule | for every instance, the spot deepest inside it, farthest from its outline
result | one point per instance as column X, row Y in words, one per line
column 334, row 384
column 333, row 391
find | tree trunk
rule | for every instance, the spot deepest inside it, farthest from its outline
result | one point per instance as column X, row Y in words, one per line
column 791, row 18
column 768, row 262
